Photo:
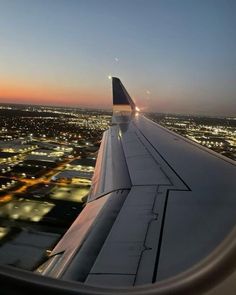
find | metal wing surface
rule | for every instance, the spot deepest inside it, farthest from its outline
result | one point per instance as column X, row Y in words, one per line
column 159, row 204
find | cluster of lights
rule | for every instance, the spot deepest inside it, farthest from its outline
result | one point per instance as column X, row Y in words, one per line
column 3, row 232
column 25, row 209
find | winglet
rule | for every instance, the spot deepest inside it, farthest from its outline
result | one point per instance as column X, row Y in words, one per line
column 121, row 99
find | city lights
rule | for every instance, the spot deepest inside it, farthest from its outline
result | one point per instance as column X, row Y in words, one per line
column 47, row 160
column 218, row 134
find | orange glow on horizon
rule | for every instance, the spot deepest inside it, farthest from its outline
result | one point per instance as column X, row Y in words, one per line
column 16, row 92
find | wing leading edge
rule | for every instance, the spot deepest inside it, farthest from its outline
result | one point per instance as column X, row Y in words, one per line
column 159, row 204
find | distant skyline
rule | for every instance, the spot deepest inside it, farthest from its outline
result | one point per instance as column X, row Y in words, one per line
column 176, row 56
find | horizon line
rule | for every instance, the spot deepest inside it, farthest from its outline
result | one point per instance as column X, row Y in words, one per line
column 110, row 109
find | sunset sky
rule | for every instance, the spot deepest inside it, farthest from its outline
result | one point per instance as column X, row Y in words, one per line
column 175, row 56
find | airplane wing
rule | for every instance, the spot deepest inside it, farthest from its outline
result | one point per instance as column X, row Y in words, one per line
column 160, row 217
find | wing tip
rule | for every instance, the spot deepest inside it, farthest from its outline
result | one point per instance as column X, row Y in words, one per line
column 120, row 94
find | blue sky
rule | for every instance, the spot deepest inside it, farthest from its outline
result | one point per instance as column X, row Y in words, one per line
column 172, row 55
